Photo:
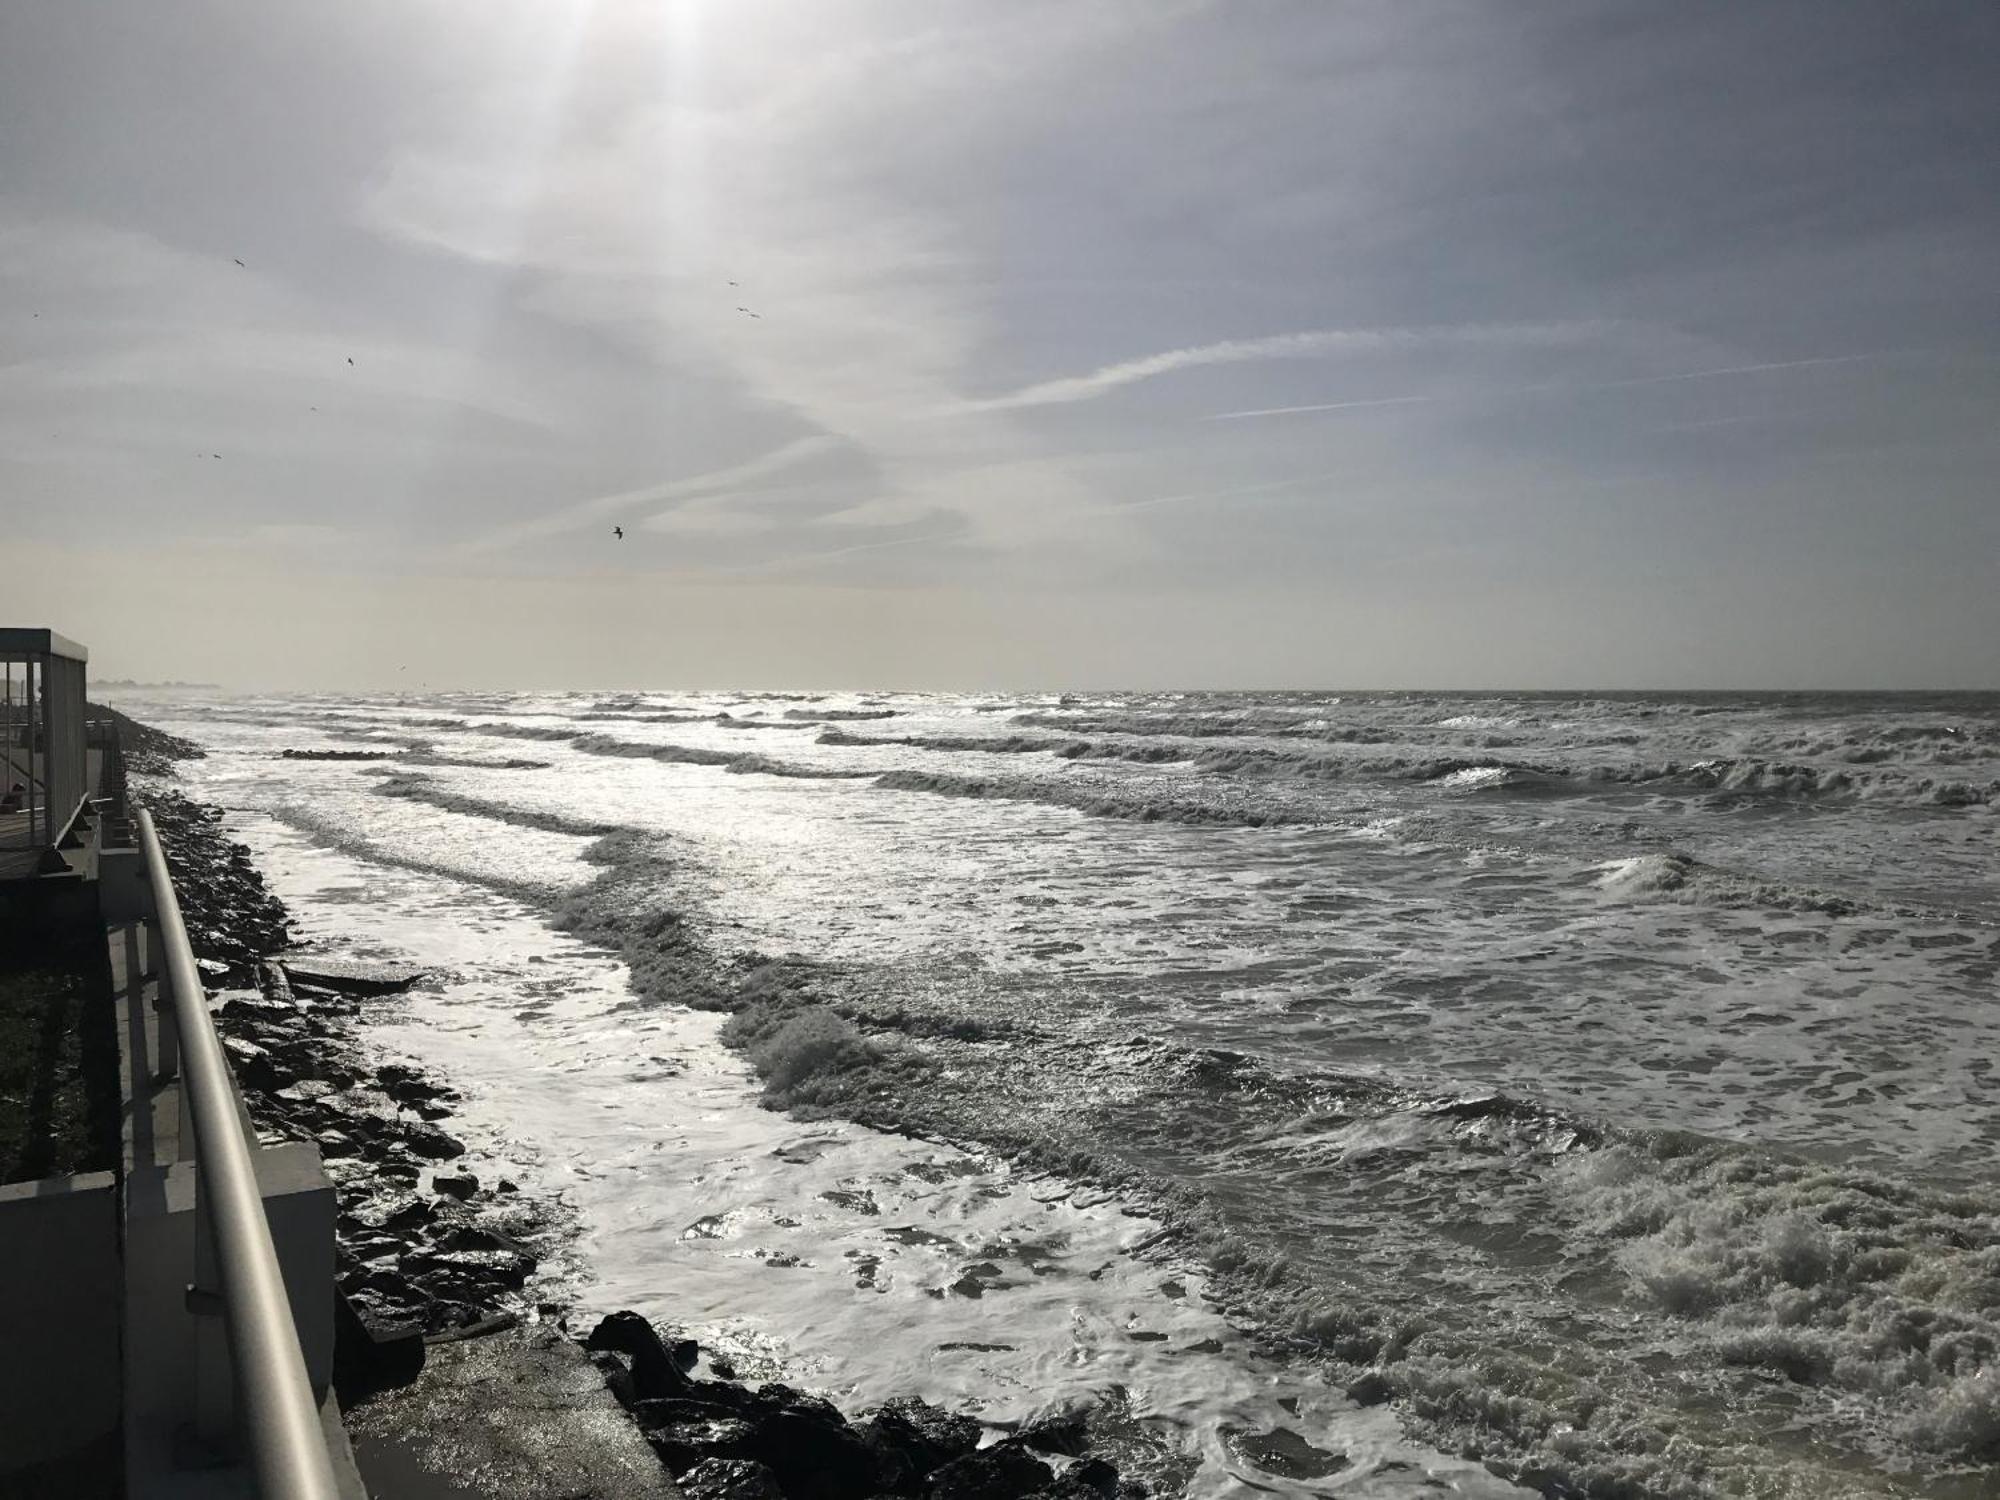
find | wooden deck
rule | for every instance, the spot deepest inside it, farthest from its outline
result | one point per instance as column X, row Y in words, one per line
column 21, row 859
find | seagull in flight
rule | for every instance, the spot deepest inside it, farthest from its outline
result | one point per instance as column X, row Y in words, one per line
column 238, row 262
column 619, row 532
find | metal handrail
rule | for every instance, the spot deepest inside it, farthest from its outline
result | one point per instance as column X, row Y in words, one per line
column 276, row 1414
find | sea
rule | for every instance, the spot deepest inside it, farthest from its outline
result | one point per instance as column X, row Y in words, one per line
column 1346, row 1094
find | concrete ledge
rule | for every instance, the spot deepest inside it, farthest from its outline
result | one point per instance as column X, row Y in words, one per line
column 176, row 1362
column 522, row 1415
column 59, row 1359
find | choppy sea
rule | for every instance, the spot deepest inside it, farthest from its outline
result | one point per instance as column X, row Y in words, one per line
column 1361, row 1094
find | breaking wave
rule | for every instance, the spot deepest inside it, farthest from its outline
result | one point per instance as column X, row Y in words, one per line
column 1229, row 807
column 415, row 788
column 1679, row 877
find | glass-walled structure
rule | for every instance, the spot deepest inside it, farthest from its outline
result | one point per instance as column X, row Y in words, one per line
column 44, row 748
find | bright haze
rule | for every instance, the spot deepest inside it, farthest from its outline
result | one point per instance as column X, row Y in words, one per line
column 942, row 345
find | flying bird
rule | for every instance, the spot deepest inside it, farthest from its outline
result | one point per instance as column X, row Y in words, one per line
column 238, row 262
column 619, row 532
column 350, row 359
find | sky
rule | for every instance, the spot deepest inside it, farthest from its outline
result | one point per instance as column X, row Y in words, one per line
column 938, row 345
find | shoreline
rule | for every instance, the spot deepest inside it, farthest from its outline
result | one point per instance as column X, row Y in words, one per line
column 429, row 1253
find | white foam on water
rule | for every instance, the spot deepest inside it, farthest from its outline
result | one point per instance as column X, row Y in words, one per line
column 1789, row 945
column 863, row 1265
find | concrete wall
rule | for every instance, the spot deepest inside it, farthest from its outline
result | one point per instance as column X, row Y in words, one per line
column 123, row 892
column 62, row 1284
column 177, row 1362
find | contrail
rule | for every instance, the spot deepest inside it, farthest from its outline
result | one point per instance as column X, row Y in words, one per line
column 1573, row 385
column 1230, row 494
column 1782, row 364
column 1303, row 344
column 1285, row 411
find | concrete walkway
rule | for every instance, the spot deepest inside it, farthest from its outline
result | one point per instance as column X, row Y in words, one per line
column 520, row 1415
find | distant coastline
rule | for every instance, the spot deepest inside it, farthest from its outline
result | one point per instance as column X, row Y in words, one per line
column 127, row 682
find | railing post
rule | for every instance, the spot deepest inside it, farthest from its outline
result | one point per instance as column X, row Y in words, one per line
column 34, row 782
column 167, row 1030
column 214, row 1410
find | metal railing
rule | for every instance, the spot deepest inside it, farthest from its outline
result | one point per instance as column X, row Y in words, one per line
column 276, row 1415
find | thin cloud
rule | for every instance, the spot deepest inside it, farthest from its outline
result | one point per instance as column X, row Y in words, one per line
column 1196, row 496
column 605, row 506
column 956, row 534
column 1302, row 345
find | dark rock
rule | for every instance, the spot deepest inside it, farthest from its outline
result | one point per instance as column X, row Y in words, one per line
column 617, row 1376
column 654, row 1373
column 413, row 1215
column 408, row 1087
column 666, row 1411
column 352, row 978
column 506, row 1187
column 730, row 1479
column 1064, row 1431
column 251, row 1063
column 476, row 1328
column 773, row 1398
column 428, row 1141
column 1005, row 1472
column 1095, row 1475
column 1369, row 1390
column 682, row 1445
column 1286, row 1454
column 471, row 1270
column 372, row 1355
column 925, row 1437
column 477, row 1237
column 382, row 1280
column 460, row 1185
column 1067, row 1486
column 815, row 1458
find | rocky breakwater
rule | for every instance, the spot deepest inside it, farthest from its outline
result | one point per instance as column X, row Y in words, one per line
column 232, row 918
column 425, row 1248
column 722, row 1440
